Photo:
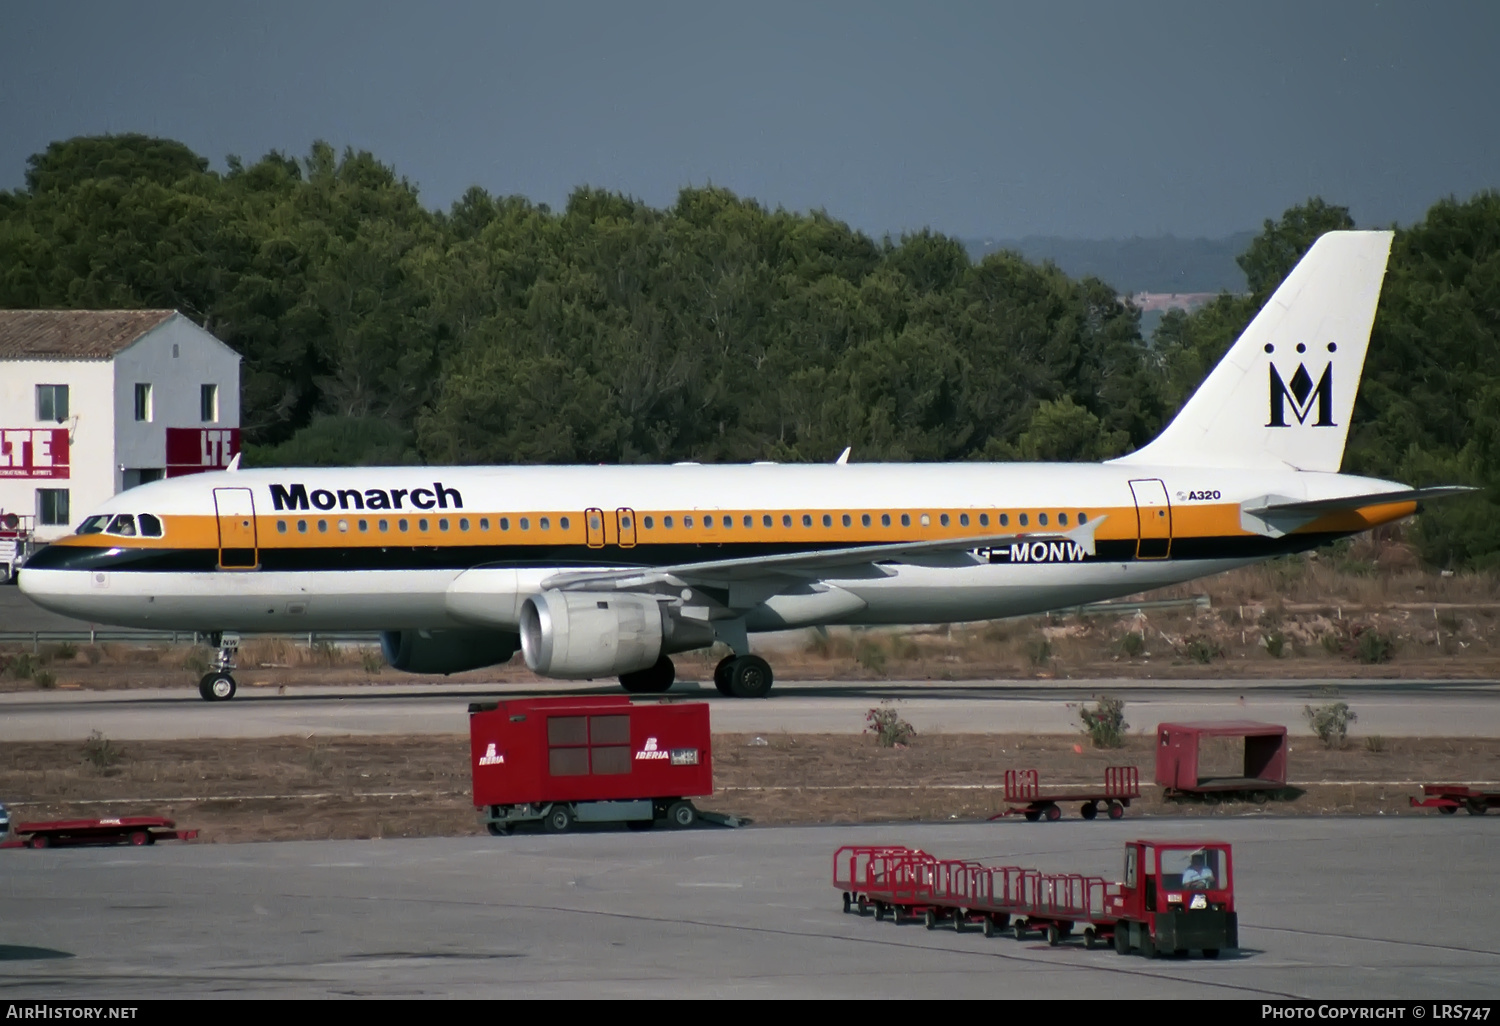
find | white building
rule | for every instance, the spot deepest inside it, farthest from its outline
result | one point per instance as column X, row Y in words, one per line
column 96, row 401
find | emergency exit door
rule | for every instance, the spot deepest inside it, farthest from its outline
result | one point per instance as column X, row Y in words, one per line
column 1153, row 514
column 625, row 527
column 238, row 549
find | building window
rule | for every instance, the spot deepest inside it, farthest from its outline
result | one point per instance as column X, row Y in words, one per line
column 52, row 507
column 208, row 404
column 52, row 403
column 143, row 402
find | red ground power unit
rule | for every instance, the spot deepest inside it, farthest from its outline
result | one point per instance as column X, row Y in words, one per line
column 589, row 759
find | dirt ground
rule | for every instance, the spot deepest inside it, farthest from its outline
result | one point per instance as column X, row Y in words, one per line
column 358, row 787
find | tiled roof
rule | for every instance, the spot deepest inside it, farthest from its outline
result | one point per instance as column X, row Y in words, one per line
column 73, row 334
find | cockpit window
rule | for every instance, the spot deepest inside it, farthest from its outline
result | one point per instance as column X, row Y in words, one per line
column 150, row 526
column 123, row 524
column 93, row 524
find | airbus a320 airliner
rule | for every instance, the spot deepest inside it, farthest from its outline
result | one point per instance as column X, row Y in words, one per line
column 607, row 571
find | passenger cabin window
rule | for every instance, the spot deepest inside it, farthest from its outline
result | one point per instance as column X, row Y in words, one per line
column 806, row 520
column 1023, row 520
column 984, row 520
column 150, row 526
column 52, row 403
column 864, row 520
column 749, row 520
column 765, row 521
column 1041, row 519
column 650, row 523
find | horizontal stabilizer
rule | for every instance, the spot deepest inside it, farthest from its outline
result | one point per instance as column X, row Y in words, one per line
column 1276, row 515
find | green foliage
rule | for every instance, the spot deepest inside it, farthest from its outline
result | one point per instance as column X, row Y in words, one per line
column 22, row 665
column 44, row 680
column 1038, row 650
column 1373, row 646
column 100, row 752
column 890, row 730
column 1275, row 643
column 67, row 651
column 1202, row 650
column 870, row 655
column 1105, row 723
column 370, row 660
column 1132, row 643
column 1276, row 250
column 1330, row 723
column 1375, row 743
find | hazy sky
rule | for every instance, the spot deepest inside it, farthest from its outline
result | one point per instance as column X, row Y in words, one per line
column 1083, row 119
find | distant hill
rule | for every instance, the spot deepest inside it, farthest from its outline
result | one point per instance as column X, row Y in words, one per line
column 1161, row 264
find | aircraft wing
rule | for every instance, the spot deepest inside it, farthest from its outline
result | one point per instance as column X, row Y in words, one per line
column 853, row 561
column 1276, row 515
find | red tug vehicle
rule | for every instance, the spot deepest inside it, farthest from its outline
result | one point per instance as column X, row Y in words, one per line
column 134, row 830
column 1177, row 896
column 560, row 761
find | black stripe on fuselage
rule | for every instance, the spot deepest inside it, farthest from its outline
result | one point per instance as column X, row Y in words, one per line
column 465, row 557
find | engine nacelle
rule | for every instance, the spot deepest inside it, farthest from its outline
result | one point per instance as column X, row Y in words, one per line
column 447, row 651
column 579, row 634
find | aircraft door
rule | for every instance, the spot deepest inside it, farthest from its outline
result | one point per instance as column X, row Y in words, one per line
column 238, row 547
column 1153, row 513
column 593, row 525
column 625, row 527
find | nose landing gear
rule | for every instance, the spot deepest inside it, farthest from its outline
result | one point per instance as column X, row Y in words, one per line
column 217, row 685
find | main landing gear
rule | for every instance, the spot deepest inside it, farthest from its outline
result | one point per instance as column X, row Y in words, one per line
column 745, row 676
column 217, row 685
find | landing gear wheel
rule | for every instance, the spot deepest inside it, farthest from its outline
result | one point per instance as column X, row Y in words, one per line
column 721, row 676
column 750, row 677
column 1122, row 939
column 651, row 681
column 681, row 815
column 217, row 687
column 559, row 820
column 1053, row 813
column 1116, row 810
column 498, row 829
column 1089, row 810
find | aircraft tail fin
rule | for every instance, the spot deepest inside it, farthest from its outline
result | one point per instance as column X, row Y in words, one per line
column 1283, row 394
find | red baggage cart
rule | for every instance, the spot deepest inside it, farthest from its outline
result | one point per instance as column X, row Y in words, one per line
column 560, row 761
column 136, row 830
column 1023, row 793
column 1449, row 798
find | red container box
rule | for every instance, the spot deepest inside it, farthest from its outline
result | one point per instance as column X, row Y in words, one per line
column 1178, row 771
column 570, row 752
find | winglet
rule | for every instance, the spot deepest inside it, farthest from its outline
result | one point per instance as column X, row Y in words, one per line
column 844, row 456
column 234, row 464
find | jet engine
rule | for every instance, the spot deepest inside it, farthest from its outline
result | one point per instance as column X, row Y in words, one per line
column 577, row 634
column 446, row 651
